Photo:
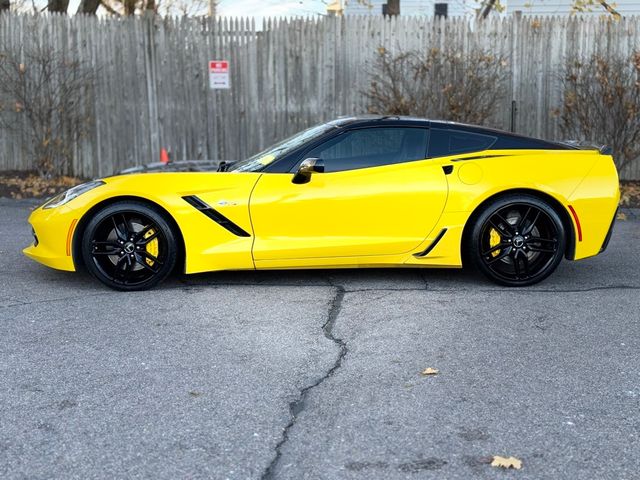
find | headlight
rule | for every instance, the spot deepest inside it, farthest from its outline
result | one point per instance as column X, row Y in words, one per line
column 72, row 193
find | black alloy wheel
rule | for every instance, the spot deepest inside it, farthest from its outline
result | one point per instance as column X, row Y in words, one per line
column 129, row 246
column 518, row 240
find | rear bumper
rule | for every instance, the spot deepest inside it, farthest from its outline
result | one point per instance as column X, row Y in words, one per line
column 594, row 204
column 605, row 244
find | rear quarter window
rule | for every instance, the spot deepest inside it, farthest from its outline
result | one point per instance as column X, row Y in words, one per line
column 453, row 142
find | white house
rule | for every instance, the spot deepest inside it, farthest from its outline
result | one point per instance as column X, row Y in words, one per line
column 565, row 7
column 447, row 8
column 457, row 8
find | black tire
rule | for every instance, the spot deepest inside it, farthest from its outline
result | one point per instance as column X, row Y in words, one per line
column 129, row 246
column 517, row 240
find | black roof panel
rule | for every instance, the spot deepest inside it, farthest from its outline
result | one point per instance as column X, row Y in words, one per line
column 506, row 140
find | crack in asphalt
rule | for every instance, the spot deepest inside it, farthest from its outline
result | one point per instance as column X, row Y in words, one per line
column 191, row 287
column 51, row 300
column 297, row 406
column 462, row 288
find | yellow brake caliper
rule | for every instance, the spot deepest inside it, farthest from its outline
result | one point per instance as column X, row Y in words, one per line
column 494, row 239
column 152, row 247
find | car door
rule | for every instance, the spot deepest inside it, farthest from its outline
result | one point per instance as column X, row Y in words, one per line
column 377, row 196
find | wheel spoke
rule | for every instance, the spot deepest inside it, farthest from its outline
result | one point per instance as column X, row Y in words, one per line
column 525, row 263
column 527, row 230
column 146, row 240
column 506, row 231
column 127, row 229
column 503, row 254
column 142, row 261
column 500, row 246
column 534, row 248
column 121, row 235
column 114, row 248
column 146, row 254
column 106, row 244
column 516, row 265
column 121, row 264
column 140, row 235
column 542, row 240
column 523, row 219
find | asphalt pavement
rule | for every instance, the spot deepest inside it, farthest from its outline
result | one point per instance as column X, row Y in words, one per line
column 316, row 374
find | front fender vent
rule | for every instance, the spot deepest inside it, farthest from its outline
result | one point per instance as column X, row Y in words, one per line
column 215, row 215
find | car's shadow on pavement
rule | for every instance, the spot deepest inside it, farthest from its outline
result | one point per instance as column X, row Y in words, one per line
column 349, row 279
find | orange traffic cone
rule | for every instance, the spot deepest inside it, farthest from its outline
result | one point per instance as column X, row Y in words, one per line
column 164, row 156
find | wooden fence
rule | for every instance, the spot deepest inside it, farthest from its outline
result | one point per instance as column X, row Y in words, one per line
column 152, row 90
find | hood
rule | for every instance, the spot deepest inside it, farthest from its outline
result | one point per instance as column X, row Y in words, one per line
column 181, row 166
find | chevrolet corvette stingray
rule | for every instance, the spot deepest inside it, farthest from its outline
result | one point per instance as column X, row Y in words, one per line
column 354, row 192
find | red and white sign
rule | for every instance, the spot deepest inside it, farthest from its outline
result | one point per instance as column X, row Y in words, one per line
column 219, row 74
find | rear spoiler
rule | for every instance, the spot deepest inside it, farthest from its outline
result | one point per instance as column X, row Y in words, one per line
column 586, row 145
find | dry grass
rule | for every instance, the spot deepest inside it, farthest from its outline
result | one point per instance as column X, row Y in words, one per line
column 19, row 185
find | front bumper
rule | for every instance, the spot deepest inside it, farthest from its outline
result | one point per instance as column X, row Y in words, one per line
column 53, row 237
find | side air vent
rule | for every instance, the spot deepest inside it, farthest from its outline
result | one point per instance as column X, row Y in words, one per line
column 432, row 245
column 216, row 216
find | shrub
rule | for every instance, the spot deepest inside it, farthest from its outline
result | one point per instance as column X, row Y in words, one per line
column 602, row 103
column 437, row 84
column 42, row 96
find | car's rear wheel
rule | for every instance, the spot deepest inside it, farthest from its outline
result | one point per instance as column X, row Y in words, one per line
column 129, row 246
column 517, row 240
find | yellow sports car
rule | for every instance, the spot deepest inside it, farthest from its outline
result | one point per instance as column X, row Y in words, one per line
column 354, row 192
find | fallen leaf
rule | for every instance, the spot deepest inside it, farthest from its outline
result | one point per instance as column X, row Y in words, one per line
column 621, row 216
column 506, row 462
column 630, row 193
column 429, row 371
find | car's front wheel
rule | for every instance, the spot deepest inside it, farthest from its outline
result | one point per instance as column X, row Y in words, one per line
column 129, row 246
column 517, row 240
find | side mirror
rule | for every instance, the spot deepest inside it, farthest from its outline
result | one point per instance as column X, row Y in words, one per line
column 306, row 168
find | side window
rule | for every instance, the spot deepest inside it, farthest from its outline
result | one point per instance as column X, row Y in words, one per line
column 452, row 142
column 372, row 147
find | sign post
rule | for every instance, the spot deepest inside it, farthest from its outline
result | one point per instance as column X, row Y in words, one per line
column 219, row 74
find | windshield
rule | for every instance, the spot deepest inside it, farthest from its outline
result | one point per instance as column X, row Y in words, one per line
column 262, row 159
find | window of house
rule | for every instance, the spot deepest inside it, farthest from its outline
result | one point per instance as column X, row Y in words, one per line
column 441, row 10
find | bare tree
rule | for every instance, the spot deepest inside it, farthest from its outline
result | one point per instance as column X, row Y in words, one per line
column 447, row 85
column 89, row 7
column 602, row 103
column 58, row 6
column 5, row 5
column 42, row 96
column 162, row 7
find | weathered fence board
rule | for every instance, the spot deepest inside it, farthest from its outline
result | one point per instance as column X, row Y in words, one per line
column 152, row 88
